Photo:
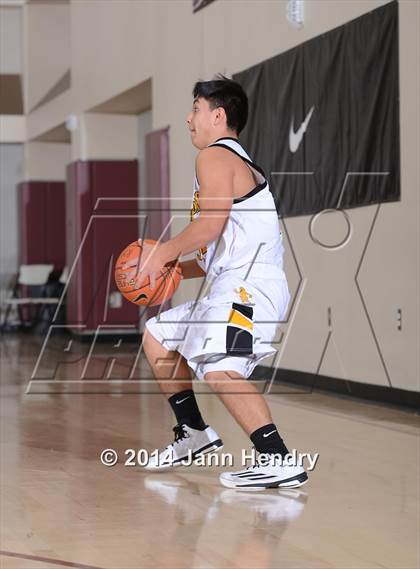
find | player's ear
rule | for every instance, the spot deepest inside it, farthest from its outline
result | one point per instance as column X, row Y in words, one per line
column 216, row 115
column 221, row 114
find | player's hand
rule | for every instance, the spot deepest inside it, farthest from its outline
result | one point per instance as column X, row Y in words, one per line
column 151, row 263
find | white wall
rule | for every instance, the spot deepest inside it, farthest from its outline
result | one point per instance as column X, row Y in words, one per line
column 105, row 137
column 112, row 47
column 116, row 45
column 144, row 126
column 47, row 53
column 10, row 40
column 12, row 128
column 46, row 161
column 11, row 172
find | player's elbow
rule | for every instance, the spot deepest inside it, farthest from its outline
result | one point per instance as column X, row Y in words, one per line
column 213, row 226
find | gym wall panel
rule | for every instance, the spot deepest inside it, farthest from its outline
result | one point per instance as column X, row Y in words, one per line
column 179, row 57
column 100, row 223
column 125, row 36
column 46, row 48
column 11, row 40
column 165, row 41
column 105, row 136
column 41, row 223
column 11, row 169
column 46, row 161
column 155, row 207
column 12, row 129
column 49, row 116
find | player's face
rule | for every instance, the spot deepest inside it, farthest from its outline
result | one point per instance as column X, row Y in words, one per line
column 201, row 123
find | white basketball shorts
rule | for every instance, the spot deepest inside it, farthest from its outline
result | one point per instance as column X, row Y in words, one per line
column 233, row 327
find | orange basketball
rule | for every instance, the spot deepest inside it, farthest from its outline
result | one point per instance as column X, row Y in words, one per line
column 139, row 292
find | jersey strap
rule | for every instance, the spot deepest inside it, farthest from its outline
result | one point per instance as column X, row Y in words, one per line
column 233, row 145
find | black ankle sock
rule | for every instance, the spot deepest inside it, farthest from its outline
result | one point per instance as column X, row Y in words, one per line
column 186, row 410
column 267, row 440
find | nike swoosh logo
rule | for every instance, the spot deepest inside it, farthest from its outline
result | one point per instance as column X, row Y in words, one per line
column 268, row 434
column 181, row 400
column 295, row 138
column 140, row 297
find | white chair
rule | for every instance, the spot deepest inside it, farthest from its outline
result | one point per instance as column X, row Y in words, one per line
column 35, row 277
column 64, row 276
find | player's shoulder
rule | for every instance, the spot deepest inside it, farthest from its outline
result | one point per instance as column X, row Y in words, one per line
column 215, row 156
column 213, row 152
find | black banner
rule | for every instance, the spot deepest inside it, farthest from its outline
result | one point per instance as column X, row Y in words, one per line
column 199, row 4
column 324, row 117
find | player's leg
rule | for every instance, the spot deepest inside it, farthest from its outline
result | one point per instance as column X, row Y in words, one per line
column 169, row 367
column 192, row 436
column 248, row 407
column 239, row 396
column 250, row 410
column 174, row 377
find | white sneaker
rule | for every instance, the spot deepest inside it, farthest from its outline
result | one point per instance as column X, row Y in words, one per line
column 188, row 444
column 284, row 506
column 265, row 475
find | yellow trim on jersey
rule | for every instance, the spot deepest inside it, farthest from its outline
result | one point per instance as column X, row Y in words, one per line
column 239, row 319
column 195, row 208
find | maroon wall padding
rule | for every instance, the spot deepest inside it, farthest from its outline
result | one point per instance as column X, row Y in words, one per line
column 97, row 231
column 42, row 228
column 157, row 176
column 157, row 186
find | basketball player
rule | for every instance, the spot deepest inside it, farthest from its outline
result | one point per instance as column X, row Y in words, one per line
column 235, row 233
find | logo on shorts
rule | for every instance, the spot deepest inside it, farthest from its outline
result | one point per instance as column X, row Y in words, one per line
column 244, row 295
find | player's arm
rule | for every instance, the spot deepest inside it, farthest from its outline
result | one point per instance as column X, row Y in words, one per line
column 215, row 174
column 191, row 269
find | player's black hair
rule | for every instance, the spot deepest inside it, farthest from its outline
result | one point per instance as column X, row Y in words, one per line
column 226, row 93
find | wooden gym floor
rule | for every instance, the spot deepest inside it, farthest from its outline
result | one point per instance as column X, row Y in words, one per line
column 60, row 507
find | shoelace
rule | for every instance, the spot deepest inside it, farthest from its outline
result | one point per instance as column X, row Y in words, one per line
column 180, row 433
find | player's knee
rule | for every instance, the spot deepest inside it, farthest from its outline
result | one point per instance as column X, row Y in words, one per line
column 208, row 376
column 148, row 337
column 153, row 345
column 213, row 377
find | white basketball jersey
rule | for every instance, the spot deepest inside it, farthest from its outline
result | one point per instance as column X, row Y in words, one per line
column 252, row 235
